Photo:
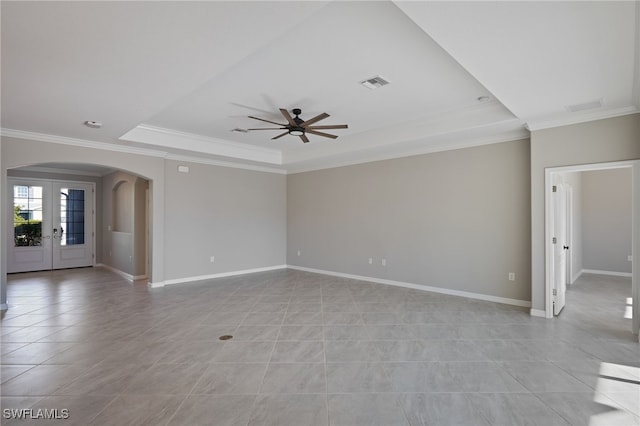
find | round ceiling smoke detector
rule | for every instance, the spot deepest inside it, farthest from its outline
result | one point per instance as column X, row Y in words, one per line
column 93, row 124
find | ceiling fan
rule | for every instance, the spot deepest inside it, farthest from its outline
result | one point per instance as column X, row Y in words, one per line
column 296, row 126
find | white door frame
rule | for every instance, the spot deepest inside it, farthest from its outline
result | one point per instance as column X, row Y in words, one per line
column 9, row 224
column 635, row 253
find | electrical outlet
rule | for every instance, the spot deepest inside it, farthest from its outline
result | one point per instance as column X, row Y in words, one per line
column 371, row 261
column 512, row 276
column 383, row 262
column 630, row 258
column 212, row 259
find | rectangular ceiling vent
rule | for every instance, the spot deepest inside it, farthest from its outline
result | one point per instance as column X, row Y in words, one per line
column 585, row 106
column 374, row 82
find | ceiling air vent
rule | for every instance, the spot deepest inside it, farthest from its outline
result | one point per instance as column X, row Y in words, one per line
column 374, row 82
column 585, row 106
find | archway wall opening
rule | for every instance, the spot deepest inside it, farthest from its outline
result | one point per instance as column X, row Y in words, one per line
column 143, row 170
column 205, row 220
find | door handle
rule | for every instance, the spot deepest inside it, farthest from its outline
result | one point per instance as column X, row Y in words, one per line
column 55, row 233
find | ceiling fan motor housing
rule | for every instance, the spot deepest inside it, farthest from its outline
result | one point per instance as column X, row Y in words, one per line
column 298, row 120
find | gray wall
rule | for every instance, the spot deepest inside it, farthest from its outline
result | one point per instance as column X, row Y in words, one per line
column 236, row 215
column 606, row 225
column 613, row 139
column 457, row 220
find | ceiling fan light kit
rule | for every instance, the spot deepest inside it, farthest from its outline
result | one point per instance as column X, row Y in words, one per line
column 296, row 126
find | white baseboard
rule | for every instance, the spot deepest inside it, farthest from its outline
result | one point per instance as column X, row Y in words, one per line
column 3, row 306
column 155, row 285
column 478, row 296
column 122, row 273
column 600, row 272
column 538, row 313
column 575, row 277
column 212, row 276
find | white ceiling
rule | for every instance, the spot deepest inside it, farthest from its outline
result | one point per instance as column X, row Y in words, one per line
column 177, row 77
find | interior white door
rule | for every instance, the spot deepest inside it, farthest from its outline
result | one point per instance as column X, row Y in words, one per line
column 51, row 225
column 560, row 246
column 29, row 237
column 72, row 232
column 569, row 233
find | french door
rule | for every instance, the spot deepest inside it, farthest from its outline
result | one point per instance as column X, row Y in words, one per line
column 51, row 225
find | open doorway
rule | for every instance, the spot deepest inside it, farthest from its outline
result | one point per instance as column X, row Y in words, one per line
column 610, row 240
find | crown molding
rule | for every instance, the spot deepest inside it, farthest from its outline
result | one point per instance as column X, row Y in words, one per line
column 42, row 137
column 60, row 171
column 169, row 138
column 507, row 136
column 84, row 143
column 567, row 120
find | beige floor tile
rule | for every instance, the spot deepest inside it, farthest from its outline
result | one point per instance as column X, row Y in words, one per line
column 221, row 410
column 312, row 349
column 147, row 410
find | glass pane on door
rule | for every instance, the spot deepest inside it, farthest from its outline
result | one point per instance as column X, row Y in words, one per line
column 27, row 215
column 71, row 216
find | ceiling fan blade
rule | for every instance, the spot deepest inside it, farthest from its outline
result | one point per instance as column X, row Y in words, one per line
column 280, row 135
column 314, row 119
column 286, row 115
column 329, row 126
column 326, row 135
column 269, row 128
column 304, row 138
column 266, row 121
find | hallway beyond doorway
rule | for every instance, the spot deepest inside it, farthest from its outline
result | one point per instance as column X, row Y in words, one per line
column 600, row 304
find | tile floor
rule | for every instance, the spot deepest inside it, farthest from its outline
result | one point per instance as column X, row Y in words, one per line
column 311, row 350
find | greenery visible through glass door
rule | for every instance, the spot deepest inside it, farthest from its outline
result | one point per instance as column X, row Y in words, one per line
column 27, row 215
